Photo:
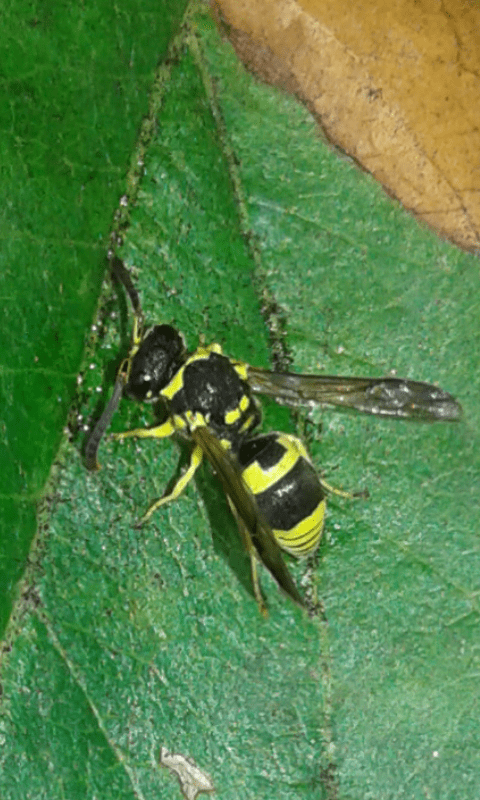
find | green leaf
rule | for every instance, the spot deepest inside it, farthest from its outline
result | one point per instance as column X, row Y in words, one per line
column 250, row 231
column 75, row 86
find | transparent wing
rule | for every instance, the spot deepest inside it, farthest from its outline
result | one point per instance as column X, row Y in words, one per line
column 229, row 473
column 387, row 397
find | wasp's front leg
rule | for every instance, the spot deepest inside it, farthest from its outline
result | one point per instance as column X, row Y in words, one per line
column 162, row 431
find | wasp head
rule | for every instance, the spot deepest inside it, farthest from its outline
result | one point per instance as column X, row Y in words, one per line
column 159, row 357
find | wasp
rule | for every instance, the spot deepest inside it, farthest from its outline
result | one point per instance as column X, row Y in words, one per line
column 271, row 485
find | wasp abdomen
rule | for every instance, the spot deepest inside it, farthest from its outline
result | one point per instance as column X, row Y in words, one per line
column 288, row 491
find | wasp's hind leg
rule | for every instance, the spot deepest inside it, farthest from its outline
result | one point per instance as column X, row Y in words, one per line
column 250, row 548
column 363, row 494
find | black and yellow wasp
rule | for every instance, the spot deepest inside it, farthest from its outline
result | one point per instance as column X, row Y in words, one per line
column 272, row 487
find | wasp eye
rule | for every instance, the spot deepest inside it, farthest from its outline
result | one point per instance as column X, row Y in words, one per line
column 158, row 358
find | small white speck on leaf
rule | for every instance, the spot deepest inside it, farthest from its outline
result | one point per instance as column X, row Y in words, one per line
column 191, row 778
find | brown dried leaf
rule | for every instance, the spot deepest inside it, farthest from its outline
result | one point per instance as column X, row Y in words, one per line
column 395, row 85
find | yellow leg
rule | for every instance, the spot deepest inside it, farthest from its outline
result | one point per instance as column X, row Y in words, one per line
column 256, row 585
column 159, row 432
column 250, row 548
column 137, row 339
column 195, row 461
column 137, row 334
column 329, row 489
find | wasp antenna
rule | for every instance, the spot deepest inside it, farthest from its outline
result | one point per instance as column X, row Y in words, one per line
column 93, row 442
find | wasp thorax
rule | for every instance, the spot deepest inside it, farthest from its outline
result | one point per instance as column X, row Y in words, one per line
column 156, row 361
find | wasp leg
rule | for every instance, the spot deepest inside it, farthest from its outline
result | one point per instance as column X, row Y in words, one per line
column 195, row 461
column 159, row 432
column 250, row 548
column 329, row 489
column 137, row 333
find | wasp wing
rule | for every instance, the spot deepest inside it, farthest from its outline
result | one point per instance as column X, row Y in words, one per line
column 387, row 397
column 257, row 528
